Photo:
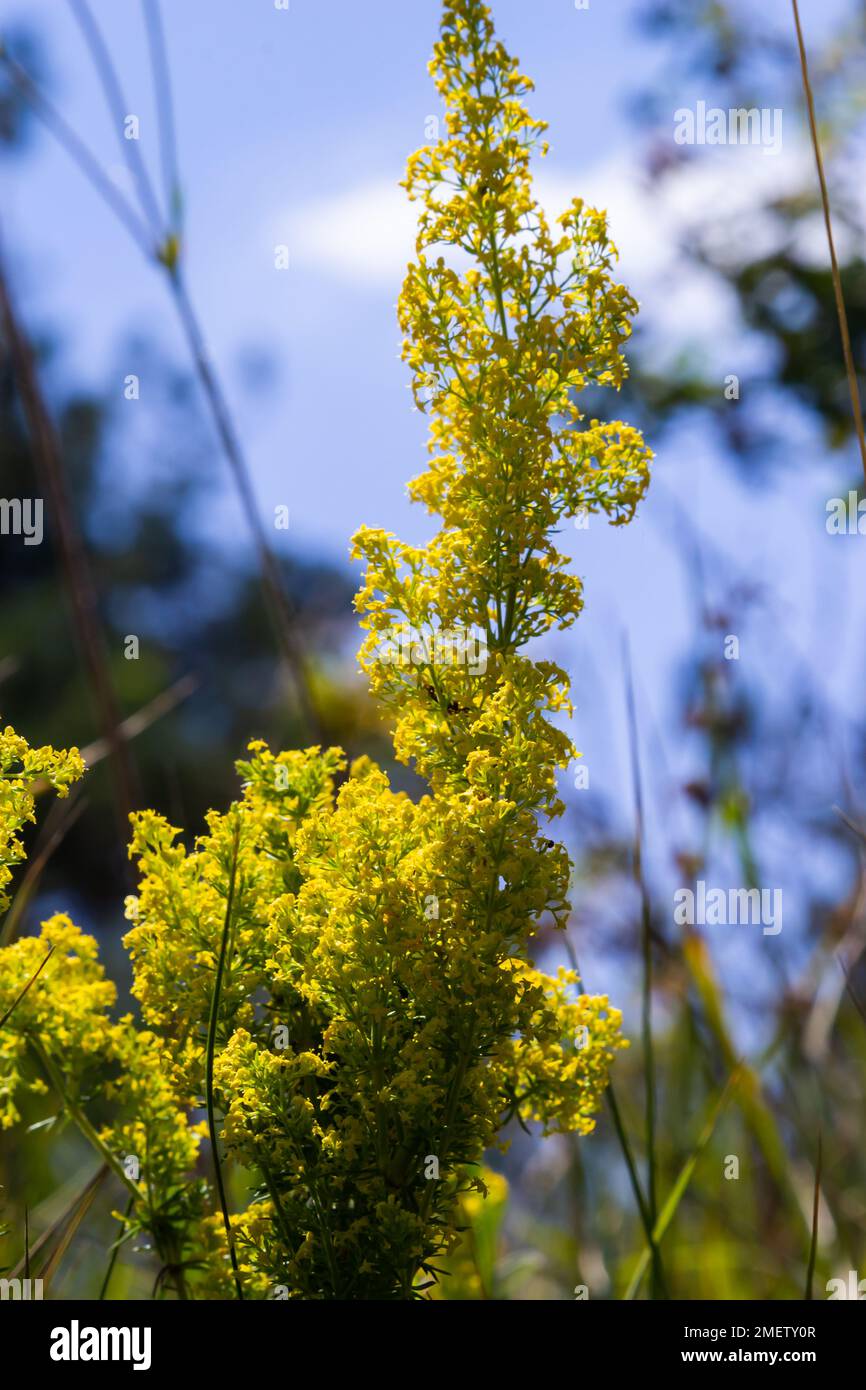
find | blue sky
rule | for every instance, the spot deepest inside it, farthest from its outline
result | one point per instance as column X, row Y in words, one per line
column 288, row 122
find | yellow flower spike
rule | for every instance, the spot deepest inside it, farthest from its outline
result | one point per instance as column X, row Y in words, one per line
column 379, row 1015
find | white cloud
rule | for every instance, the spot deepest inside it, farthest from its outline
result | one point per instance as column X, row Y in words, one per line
column 366, row 235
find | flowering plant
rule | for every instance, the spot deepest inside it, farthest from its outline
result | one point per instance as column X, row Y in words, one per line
column 344, row 975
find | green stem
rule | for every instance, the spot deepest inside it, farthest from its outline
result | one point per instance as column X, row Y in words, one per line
column 630, row 1164
column 75, row 1113
column 459, row 1075
column 211, row 1049
column 33, row 978
column 646, row 959
column 648, row 1225
column 115, row 1252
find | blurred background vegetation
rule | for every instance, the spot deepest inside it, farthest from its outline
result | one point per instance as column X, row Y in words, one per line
column 753, row 1055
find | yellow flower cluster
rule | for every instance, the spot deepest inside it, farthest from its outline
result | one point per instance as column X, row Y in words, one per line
column 64, row 1011
column 58, row 1035
column 399, row 963
column 380, row 1017
column 21, row 767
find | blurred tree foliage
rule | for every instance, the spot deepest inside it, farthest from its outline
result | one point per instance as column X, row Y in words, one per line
column 143, row 477
column 737, row 55
column 764, row 749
